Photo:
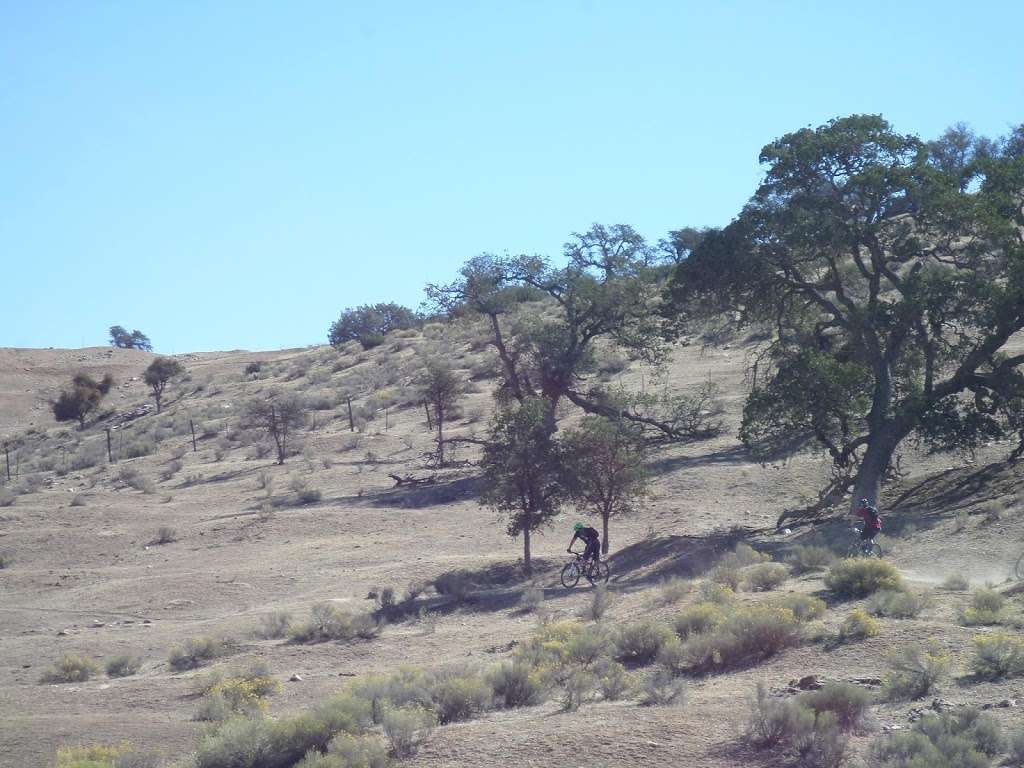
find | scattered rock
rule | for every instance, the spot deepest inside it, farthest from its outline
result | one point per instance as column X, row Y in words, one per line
column 808, row 683
column 295, row 679
column 869, row 681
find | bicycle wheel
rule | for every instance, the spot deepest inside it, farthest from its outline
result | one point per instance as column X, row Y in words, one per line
column 570, row 575
column 602, row 573
column 1019, row 568
column 876, row 551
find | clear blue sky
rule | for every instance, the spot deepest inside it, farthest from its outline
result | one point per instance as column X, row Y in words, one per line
column 231, row 175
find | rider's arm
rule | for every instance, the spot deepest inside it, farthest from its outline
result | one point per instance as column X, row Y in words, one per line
column 572, row 541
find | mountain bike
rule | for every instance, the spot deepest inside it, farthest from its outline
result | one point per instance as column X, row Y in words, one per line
column 594, row 571
column 858, row 547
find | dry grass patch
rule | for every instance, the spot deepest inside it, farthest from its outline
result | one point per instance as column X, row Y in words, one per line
column 71, row 668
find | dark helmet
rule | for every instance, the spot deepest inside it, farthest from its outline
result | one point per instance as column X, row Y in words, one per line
column 865, row 503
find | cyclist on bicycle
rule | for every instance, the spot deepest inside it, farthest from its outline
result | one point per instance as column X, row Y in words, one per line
column 872, row 522
column 590, row 537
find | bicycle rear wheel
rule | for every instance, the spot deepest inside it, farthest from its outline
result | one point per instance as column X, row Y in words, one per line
column 570, row 575
column 601, row 573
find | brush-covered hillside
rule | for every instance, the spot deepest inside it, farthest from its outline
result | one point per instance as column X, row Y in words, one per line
column 200, row 604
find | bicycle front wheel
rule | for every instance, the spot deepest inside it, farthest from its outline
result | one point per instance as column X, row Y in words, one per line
column 570, row 575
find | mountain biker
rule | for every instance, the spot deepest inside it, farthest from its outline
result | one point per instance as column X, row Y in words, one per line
column 872, row 522
column 590, row 537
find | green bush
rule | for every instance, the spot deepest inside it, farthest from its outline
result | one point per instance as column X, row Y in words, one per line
column 165, row 535
column 328, row 622
column 662, row 688
column 896, row 604
column 711, row 592
column 71, row 668
column 460, row 697
column 612, row 680
column 858, row 626
column 804, row 607
column 600, row 602
column 673, row 656
column 194, row 652
column 348, row 751
column 748, row 635
column 997, row 656
column 1016, row 749
column 532, row 599
column 275, row 625
column 967, row 739
column 105, row 756
column 860, row 577
column 407, row 729
column 123, row 666
column 673, row 590
column 243, row 742
column 764, row 577
column 987, row 607
column 914, row 672
column 956, row 582
column 516, row 684
column 746, row 555
column 697, row 619
column 640, row 642
column 807, row 559
column 810, row 739
column 846, row 701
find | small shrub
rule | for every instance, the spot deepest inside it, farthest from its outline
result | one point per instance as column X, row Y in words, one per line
column 896, row 604
column 640, row 642
column 804, row 607
column 612, row 680
column 746, row 636
column 348, row 751
column 697, row 619
column 72, row 668
column 673, row 656
column 407, row 729
column 746, row 555
column 456, row 583
column 134, row 479
column 997, row 656
column 600, row 601
column 194, row 653
column 165, row 535
column 5, row 561
column 710, row 592
column 914, row 672
column 662, row 688
column 1016, row 749
column 328, row 622
column 275, row 625
column 987, row 607
column 673, row 590
column 7, row 498
column 172, row 468
column 123, row 666
column 967, row 739
column 727, row 573
column 808, row 559
column 858, row 626
column 765, row 576
column 848, row 702
column 860, row 577
column 303, row 493
column 78, row 500
column 460, row 697
column 532, row 599
column 777, row 721
column 516, row 684
column 956, row 582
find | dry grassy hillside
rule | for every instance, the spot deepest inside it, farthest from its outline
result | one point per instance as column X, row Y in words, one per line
column 246, row 541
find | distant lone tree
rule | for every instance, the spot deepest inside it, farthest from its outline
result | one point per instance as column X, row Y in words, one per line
column 278, row 416
column 369, row 324
column 604, row 468
column 159, row 372
column 441, row 389
column 889, row 275
column 121, row 339
column 522, row 470
column 84, row 396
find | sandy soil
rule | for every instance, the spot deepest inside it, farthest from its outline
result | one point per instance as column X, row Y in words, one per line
column 87, row 579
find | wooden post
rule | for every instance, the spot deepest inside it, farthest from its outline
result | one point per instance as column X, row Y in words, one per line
column 192, row 426
column 64, row 458
column 430, row 423
column 351, row 421
column 386, row 420
column 7, row 454
column 110, row 451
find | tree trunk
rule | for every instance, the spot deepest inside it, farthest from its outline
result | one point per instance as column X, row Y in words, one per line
column 873, row 466
column 605, row 514
column 440, row 437
column 157, row 397
column 527, row 565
